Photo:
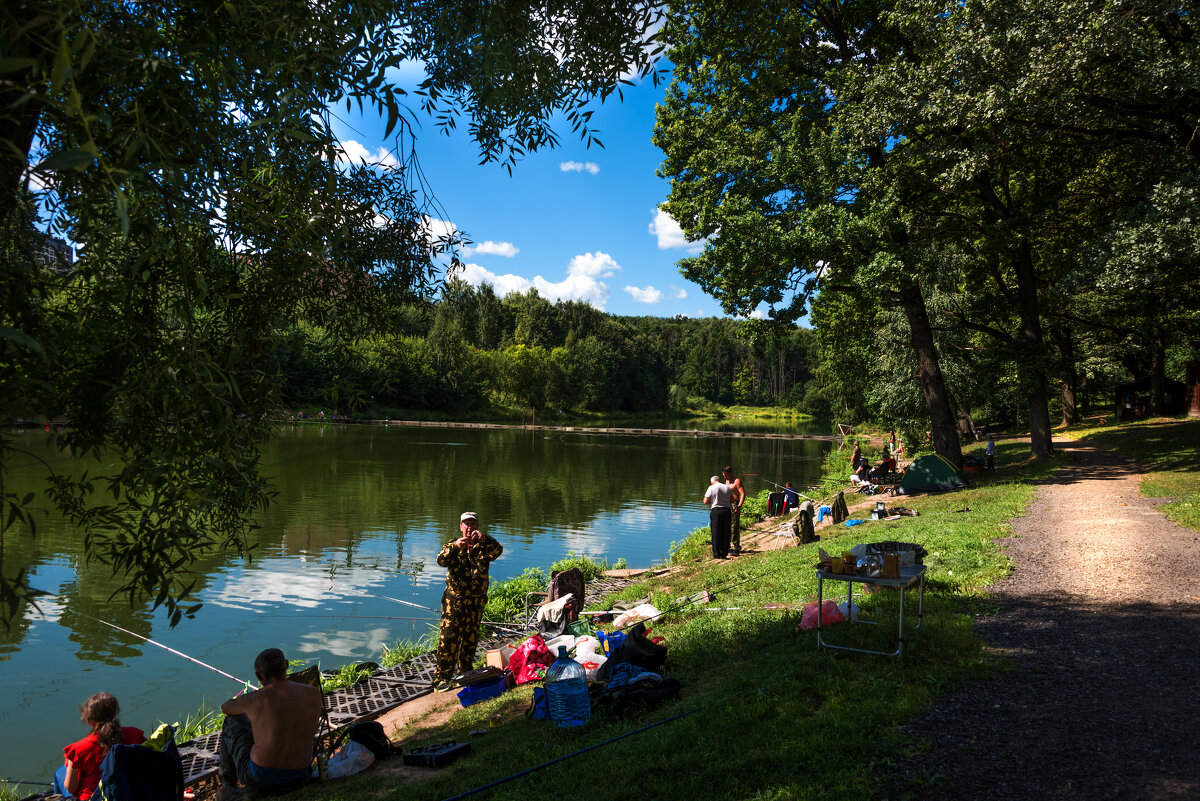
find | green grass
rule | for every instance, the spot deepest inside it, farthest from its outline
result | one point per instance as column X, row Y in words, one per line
column 404, row 649
column 205, row 720
column 12, row 791
column 1169, row 451
column 772, row 716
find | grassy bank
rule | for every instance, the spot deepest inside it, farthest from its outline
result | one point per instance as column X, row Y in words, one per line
column 1168, row 450
column 766, row 715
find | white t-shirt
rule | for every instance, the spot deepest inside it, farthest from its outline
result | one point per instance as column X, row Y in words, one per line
column 719, row 495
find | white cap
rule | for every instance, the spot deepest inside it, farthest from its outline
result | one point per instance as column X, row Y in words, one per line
column 465, row 516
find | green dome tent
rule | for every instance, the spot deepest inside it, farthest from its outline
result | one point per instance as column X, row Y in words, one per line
column 930, row 473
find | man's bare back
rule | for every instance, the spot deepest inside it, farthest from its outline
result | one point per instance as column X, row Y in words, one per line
column 284, row 716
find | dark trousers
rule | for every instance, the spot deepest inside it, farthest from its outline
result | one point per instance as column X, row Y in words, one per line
column 234, row 752
column 719, row 524
column 991, row 461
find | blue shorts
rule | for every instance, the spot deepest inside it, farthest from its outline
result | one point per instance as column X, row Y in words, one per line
column 274, row 777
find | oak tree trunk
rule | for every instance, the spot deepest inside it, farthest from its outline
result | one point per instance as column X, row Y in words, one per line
column 1033, row 365
column 929, row 374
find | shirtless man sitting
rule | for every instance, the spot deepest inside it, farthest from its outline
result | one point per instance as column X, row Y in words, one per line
column 267, row 739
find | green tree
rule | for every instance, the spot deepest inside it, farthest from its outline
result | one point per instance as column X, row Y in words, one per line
column 772, row 166
column 191, row 148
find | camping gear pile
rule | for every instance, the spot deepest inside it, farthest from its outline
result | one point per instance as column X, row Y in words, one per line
column 624, row 666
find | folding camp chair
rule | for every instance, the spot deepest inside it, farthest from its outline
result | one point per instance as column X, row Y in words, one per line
column 786, row 531
column 562, row 582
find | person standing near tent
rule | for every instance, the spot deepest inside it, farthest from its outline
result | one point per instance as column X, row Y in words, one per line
column 737, row 497
column 990, row 452
column 466, row 560
column 718, row 498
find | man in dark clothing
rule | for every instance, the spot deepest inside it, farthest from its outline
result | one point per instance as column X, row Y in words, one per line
column 466, row 560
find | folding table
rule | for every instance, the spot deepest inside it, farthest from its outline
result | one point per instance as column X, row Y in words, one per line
column 909, row 576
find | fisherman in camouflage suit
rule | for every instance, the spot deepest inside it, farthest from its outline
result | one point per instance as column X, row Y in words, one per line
column 466, row 561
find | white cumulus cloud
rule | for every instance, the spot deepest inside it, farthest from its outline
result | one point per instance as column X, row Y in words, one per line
column 353, row 151
column 589, row 167
column 582, row 282
column 670, row 235
column 490, row 248
column 647, row 294
column 677, row 293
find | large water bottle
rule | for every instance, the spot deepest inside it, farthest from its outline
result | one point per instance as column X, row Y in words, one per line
column 567, row 692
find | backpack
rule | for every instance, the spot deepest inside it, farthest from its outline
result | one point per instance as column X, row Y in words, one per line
column 139, row 773
column 372, row 735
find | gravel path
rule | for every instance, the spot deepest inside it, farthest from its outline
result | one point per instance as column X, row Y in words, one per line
column 1102, row 620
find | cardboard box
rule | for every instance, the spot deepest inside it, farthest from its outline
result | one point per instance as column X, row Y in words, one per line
column 498, row 657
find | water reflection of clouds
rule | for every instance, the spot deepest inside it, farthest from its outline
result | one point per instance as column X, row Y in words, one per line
column 308, row 590
column 345, row 643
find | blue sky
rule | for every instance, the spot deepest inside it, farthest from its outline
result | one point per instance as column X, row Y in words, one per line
column 576, row 222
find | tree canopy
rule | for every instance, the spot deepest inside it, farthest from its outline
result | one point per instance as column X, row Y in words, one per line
column 970, row 165
column 189, row 149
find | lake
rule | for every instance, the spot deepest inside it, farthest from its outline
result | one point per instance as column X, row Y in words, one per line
column 362, row 512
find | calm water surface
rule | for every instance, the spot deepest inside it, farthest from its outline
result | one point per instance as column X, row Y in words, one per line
column 361, row 512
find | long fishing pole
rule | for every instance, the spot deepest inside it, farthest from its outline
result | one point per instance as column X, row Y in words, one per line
column 492, row 623
column 785, row 489
column 397, row 600
column 555, row 761
column 166, row 648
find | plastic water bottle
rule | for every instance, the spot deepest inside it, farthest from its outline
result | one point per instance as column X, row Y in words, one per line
column 567, row 692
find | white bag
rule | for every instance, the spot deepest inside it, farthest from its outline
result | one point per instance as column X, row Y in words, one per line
column 636, row 615
column 351, row 758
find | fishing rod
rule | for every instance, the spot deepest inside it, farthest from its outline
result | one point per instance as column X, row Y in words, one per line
column 556, row 760
column 166, row 648
column 397, row 600
column 785, row 489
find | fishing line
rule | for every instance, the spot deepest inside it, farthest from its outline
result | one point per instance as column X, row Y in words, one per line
column 166, row 648
column 555, row 761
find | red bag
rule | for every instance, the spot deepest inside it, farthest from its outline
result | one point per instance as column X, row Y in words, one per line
column 830, row 614
column 530, row 660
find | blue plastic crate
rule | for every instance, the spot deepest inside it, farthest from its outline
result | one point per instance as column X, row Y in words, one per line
column 482, row 692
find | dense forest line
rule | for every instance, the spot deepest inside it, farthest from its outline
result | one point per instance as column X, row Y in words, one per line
column 470, row 350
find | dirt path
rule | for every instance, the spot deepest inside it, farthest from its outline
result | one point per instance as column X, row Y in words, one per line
column 1102, row 619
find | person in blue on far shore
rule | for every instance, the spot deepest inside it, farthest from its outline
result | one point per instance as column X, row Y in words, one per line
column 791, row 498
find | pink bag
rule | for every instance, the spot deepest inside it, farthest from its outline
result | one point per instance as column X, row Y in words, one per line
column 830, row 614
column 530, row 660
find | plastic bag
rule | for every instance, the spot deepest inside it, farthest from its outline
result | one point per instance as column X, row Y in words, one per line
column 850, row 613
column 586, row 647
column 351, row 758
column 636, row 615
column 830, row 614
column 530, row 657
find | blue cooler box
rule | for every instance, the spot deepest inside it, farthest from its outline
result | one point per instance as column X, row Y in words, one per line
column 482, row 691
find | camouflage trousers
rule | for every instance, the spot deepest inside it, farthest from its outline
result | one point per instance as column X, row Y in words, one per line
column 459, row 635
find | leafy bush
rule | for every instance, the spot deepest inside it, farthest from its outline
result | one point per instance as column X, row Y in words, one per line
column 693, row 546
column 590, row 567
column 506, row 599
